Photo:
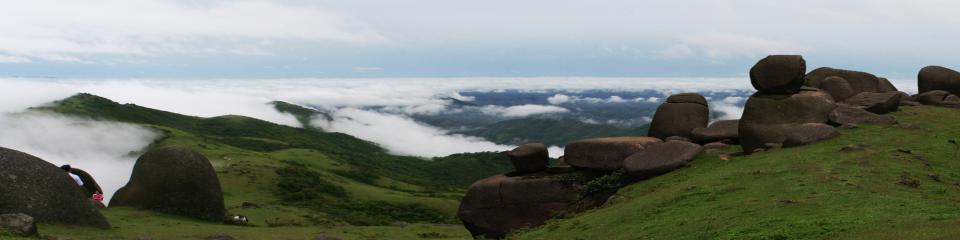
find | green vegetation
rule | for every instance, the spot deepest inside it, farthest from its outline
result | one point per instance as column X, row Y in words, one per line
column 303, row 115
column 305, row 181
column 809, row 192
column 557, row 132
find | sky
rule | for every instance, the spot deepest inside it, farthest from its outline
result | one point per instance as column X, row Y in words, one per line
column 442, row 38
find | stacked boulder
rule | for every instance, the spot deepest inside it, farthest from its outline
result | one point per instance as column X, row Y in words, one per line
column 938, row 86
column 176, row 181
column 535, row 193
column 782, row 112
column 34, row 187
column 679, row 116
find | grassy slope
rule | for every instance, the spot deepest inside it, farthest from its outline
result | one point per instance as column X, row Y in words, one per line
column 557, row 132
column 810, row 192
column 246, row 154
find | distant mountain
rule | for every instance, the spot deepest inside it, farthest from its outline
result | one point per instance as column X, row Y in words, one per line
column 549, row 131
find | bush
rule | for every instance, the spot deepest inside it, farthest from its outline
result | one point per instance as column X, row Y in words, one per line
column 298, row 184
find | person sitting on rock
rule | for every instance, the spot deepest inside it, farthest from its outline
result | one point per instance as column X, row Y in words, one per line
column 69, row 171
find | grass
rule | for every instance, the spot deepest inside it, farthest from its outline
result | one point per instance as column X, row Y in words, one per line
column 809, row 192
column 135, row 224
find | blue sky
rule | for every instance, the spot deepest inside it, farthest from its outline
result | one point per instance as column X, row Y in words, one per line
column 443, row 38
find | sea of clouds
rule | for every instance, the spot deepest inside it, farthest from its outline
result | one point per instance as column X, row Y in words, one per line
column 103, row 148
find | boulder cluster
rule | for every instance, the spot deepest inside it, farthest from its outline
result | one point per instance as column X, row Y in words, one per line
column 171, row 180
column 790, row 108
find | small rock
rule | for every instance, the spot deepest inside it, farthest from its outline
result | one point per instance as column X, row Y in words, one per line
column 325, row 237
column 849, row 126
column 772, row 145
column 906, row 180
column 905, row 150
column 530, row 158
column 249, row 205
column 19, row 224
column 853, row 147
column 715, row 145
column 677, row 138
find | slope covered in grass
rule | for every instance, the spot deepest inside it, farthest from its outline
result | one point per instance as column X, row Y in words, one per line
column 809, row 192
column 297, row 178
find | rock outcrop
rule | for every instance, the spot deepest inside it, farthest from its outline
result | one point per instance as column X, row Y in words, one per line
column 837, row 87
column 530, row 158
column 32, row 186
column 771, row 118
column 859, row 81
column 933, row 78
column 844, row 114
column 176, row 181
column 661, row 158
column 604, row 153
column 679, row 116
column 723, row 130
column 879, row 103
column 497, row 205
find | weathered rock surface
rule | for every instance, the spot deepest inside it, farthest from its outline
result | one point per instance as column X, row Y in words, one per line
column 43, row 191
column 19, row 224
column 884, row 85
column 661, row 158
column 718, row 131
column 933, row 78
column 769, row 118
column 497, row 205
column 604, row 153
column 176, row 181
column 808, row 133
column 781, row 74
column 530, row 158
column 844, row 114
column 879, row 103
column 935, row 97
column 837, row 87
column 859, row 81
column 679, row 116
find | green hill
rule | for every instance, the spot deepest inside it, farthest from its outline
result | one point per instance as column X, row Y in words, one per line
column 809, row 192
column 329, row 182
column 556, row 132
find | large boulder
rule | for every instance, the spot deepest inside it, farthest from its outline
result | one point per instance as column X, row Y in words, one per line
column 884, row 85
column 604, row 153
column 89, row 184
column 769, row 118
column 859, row 81
column 37, row 188
column 781, row 74
column 530, row 158
column 933, row 78
column 661, row 158
column 679, row 116
column 837, row 87
column 497, row 205
column 722, row 130
column 176, row 181
column 19, row 224
column 934, row 97
column 878, row 103
column 844, row 114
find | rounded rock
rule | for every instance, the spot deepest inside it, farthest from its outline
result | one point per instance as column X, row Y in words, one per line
column 778, row 74
column 933, row 78
column 661, row 158
column 530, row 158
column 604, row 153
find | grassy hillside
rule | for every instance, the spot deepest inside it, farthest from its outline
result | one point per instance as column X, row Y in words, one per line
column 557, row 132
column 810, row 192
column 300, row 178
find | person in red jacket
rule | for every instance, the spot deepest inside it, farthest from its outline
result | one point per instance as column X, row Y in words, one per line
column 97, row 196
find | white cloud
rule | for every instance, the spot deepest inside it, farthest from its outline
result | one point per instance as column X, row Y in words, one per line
column 66, row 30
column 522, row 110
column 100, row 148
column 558, row 99
column 402, row 135
column 13, row 59
column 729, row 108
